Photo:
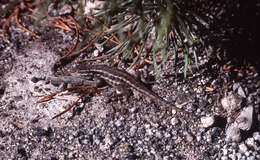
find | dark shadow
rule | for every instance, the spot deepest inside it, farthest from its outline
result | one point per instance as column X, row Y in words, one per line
column 220, row 122
column 235, row 32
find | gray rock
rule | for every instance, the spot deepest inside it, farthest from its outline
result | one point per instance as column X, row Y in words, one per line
column 241, row 92
column 231, row 103
column 245, row 119
column 233, row 133
column 235, row 86
column 66, row 9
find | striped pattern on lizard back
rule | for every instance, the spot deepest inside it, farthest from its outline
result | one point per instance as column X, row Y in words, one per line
column 116, row 77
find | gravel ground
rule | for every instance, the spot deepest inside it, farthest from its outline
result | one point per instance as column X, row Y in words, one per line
column 223, row 94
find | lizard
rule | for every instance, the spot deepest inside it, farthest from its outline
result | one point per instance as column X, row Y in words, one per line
column 121, row 80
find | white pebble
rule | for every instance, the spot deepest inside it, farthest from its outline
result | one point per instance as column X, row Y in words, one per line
column 242, row 148
column 174, row 121
column 207, row 121
column 256, row 136
column 250, row 142
column 95, row 53
column 225, row 151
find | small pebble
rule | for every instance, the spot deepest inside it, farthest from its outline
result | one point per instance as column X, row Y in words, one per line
column 158, row 134
column 232, row 156
column 224, row 158
column 133, row 109
column 66, row 9
column 251, row 158
column 85, row 140
column 97, row 141
column 210, row 101
column 238, row 155
column 108, row 141
column 133, row 130
column 247, row 153
column 198, row 138
column 51, row 10
column 149, row 132
column 189, row 137
column 202, row 103
column 207, row 121
column 225, row 151
column 167, row 135
column 174, row 121
column 256, row 136
column 209, row 139
column 118, row 123
column 95, row 53
column 235, row 86
column 242, row 148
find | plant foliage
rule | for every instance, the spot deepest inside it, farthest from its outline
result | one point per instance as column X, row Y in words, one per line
column 173, row 22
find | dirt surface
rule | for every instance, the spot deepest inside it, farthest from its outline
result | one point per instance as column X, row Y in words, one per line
column 220, row 93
